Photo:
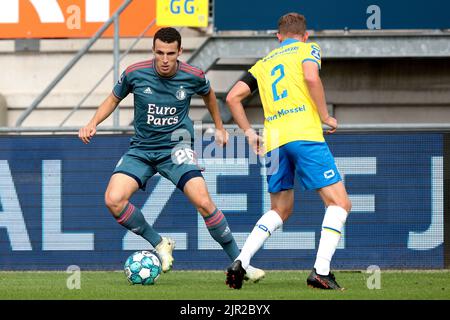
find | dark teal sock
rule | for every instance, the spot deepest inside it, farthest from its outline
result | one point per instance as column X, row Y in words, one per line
column 133, row 219
column 220, row 231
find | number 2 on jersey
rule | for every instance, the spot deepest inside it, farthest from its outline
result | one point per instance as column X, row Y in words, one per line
column 284, row 94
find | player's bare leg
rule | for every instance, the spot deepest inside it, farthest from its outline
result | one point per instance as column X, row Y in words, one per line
column 120, row 189
column 282, row 202
column 197, row 192
column 335, row 195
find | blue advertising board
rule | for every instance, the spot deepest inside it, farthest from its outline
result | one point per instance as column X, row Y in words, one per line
column 52, row 212
column 332, row 15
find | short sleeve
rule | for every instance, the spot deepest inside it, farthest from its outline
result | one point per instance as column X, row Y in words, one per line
column 122, row 88
column 203, row 85
column 250, row 81
column 254, row 70
column 313, row 53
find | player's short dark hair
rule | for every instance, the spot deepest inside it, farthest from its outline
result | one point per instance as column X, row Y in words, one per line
column 168, row 35
column 292, row 22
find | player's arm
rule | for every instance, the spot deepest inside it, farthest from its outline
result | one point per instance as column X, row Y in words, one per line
column 317, row 93
column 221, row 135
column 103, row 112
column 241, row 90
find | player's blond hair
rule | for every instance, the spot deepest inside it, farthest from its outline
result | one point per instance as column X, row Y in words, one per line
column 293, row 23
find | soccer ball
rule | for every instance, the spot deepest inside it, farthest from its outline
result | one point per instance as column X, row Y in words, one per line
column 142, row 267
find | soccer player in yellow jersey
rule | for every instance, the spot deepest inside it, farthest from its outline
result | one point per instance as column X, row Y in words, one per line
column 295, row 108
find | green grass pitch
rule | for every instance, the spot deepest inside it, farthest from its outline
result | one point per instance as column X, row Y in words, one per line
column 210, row 285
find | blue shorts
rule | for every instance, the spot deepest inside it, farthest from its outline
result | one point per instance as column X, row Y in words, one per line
column 311, row 161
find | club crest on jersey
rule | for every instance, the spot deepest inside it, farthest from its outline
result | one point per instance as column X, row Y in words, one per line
column 181, row 94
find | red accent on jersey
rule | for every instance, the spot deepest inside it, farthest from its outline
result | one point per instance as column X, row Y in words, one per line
column 192, row 70
column 200, row 75
column 139, row 65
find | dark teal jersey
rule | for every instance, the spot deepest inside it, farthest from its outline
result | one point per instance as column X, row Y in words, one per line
column 161, row 105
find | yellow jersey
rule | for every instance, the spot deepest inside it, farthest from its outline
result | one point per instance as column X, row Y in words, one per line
column 289, row 111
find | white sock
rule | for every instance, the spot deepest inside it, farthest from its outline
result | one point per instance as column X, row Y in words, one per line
column 332, row 225
column 265, row 226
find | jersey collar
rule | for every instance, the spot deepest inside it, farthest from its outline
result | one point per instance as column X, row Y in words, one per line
column 167, row 78
column 288, row 41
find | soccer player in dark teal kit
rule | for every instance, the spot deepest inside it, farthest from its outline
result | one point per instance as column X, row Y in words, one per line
column 162, row 90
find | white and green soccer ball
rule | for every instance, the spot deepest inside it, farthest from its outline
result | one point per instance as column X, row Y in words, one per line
column 142, row 267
